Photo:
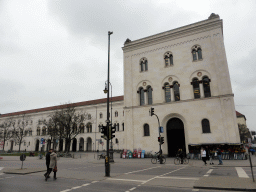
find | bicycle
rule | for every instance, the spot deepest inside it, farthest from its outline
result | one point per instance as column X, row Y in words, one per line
column 101, row 156
column 177, row 160
column 156, row 158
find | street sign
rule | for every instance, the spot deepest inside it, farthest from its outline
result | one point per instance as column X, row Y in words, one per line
column 42, row 139
column 23, row 157
column 161, row 129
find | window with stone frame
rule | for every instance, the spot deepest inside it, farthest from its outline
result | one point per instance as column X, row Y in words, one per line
column 141, row 96
column 176, row 90
column 206, row 126
column 167, row 92
column 206, row 84
column 168, row 59
column 116, row 114
column 197, row 52
column 196, row 88
column 143, row 64
column 146, row 130
column 38, row 131
column 149, row 95
column 101, row 115
column 89, row 116
column 81, row 128
column 89, row 127
column 30, row 132
column 43, row 131
column 123, row 126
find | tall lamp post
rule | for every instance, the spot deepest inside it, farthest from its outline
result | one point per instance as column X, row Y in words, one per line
column 107, row 167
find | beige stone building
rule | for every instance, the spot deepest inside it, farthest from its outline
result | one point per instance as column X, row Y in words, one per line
column 183, row 74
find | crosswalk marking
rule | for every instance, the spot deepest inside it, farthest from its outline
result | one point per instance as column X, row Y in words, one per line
column 241, row 173
column 208, row 173
column 1, row 168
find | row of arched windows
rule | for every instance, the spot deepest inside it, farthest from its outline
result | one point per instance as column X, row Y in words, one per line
column 116, row 125
column 116, row 114
column 168, row 58
column 205, row 127
column 175, row 90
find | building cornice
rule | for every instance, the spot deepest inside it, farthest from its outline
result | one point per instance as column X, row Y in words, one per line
column 181, row 101
column 192, row 29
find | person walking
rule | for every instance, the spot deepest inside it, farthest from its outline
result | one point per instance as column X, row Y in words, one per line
column 180, row 154
column 219, row 156
column 203, row 155
column 207, row 153
column 47, row 157
column 52, row 166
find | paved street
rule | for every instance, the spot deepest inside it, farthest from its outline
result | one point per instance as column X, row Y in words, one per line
column 87, row 173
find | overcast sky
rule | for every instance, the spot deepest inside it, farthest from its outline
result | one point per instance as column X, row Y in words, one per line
column 55, row 51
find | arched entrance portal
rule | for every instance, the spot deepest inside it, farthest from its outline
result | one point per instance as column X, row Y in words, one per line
column 74, row 145
column 175, row 136
column 37, row 145
column 89, row 144
column 81, row 144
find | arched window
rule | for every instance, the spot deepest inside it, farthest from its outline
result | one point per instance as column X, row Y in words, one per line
column 117, row 127
column 116, row 114
column 101, row 115
column 81, row 128
column 44, row 131
column 197, row 53
column 116, row 141
column 206, row 84
column 196, row 88
column 89, row 116
column 89, row 127
column 100, row 125
column 149, row 91
column 206, row 126
column 176, row 91
column 167, row 92
column 143, row 64
column 141, row 92
column 168, row 59
column 146, row 130
column 123, row 126
column 74, row 128
column 30, row 133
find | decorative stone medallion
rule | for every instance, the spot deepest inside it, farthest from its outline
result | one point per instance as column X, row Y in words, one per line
column 144, row 83
column 199, row 74
column 169, row 79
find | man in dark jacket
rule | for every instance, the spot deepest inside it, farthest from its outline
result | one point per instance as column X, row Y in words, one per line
column 47, row 157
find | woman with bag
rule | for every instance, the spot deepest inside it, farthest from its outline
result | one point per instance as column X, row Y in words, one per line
column 53, row 165
column 203, row 155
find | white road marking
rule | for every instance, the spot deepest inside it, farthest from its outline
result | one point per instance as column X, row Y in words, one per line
column 1, row 168
column 241, row 173
column 95, row 181
column 132, row 188
column 8, row 177
column 141, row 170
column 195, row 189
column 76, row 187
column 127, row 180
column 186, row 178
column 85, row 184
column 66, row 190
column 208, row 173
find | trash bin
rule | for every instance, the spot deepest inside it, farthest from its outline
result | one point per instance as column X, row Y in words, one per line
column 142, row 153
column 139, row 154
column 130, row 154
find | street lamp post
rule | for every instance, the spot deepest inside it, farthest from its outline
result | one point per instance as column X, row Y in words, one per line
column 107, row 167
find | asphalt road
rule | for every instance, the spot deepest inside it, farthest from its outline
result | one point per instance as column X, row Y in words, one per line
column 88, row 174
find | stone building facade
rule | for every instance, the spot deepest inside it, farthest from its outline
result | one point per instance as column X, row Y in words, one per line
column 183, row 74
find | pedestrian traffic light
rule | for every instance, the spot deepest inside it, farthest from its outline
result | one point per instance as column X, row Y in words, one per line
column 158, row 139
column 113, row 130
column 152, row 111
column 104, row 132
column 162, row 140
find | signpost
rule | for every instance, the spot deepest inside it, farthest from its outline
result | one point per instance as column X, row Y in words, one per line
column 22, row 158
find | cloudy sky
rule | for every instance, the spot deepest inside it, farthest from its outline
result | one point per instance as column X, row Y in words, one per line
column 55, row 51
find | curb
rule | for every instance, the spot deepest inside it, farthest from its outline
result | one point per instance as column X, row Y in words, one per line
column 23, row 173
column 223, row 188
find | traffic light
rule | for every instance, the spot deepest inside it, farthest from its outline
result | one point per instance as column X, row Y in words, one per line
column 152, row 111
column 104, row 132
column 113, row 130
column 158, row 139
column 162, row 140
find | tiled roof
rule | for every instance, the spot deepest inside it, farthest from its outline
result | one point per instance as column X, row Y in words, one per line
column 83, row 103
column 240, row 114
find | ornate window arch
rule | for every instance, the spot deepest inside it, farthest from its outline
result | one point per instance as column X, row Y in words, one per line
column 101, row 115
column 196, row 88
column 38, row 131
column 197, row 52
column 143, row 64
column 116, row 113
column 149, row 95
column 206, row 126
column 176, row 90
column 146, row 130
column 89, row 116
column 206, row 85
column 167, row 92
column 168, row 59
column 44, row 131
column 81, row 128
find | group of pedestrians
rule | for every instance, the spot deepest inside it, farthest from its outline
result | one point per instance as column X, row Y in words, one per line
column 206, row 155
column 51, row 164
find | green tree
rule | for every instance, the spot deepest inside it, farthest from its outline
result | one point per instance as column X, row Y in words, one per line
column 244, row 133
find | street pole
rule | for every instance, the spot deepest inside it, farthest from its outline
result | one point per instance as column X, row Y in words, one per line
column 107, row 168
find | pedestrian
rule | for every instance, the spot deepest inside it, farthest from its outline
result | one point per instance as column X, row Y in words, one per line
column 212, row 152
column 203, row 155
column 48, row 162
column 53, row 165
column 180, row 155
column 219, row 156
column 207, row 153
